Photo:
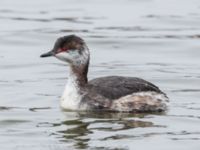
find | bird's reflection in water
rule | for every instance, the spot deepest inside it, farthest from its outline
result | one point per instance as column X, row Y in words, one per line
column 84, row 123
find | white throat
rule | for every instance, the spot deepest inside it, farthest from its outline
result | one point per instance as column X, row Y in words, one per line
column 71, row 97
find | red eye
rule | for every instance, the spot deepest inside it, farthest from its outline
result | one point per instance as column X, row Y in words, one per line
column 61, row 50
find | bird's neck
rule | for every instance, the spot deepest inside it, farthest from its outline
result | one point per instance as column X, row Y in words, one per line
column 78, row 75
column 74, row 89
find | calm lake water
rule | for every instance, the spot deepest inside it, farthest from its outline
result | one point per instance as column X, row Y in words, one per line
column 158, row 40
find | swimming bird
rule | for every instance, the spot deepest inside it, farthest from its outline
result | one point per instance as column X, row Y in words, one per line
column 110, row 93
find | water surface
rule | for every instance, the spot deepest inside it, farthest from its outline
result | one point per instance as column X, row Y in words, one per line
column 157, row 40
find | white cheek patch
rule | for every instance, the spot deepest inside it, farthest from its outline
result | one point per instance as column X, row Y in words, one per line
column 72, row 56
column 63, row 56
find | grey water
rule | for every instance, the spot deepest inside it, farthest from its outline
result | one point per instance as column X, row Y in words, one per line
column 158, row 40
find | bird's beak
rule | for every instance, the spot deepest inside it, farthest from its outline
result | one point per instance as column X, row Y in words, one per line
column 50, row 53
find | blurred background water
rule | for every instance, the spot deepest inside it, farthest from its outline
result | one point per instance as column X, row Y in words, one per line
column 158, row 40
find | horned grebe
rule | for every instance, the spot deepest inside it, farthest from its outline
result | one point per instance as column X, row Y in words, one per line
column 111, row 93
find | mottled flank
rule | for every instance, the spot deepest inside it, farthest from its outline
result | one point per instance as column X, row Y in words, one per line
column 141, row 102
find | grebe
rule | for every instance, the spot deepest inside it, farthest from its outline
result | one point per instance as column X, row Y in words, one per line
column 111, row 93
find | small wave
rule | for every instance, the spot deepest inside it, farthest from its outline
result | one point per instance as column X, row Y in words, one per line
column 34, row 109
column 146, row 135
column 187, row 90
column 162, row 16
column 68, row 19
column 139, row 28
